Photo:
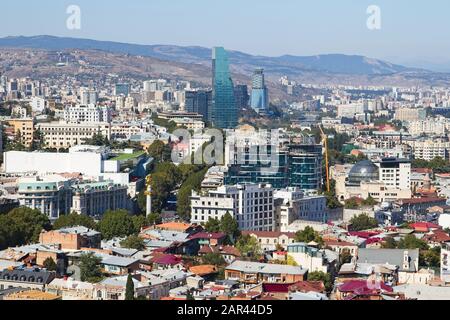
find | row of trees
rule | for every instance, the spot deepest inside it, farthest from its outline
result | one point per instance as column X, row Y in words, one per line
column 23, row 225
column 429, row 257
column 438, row 164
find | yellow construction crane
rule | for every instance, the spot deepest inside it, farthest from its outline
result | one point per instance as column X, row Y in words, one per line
column 327, row 165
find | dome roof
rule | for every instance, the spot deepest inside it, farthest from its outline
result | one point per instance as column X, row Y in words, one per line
column 362, row 172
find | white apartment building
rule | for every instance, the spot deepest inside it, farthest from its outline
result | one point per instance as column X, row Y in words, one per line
column 37, row 104
column 410, row 114
column 395, row 173
column 251, row 205
column 351, row 109
column 429, row 149
column 87, row 114
column 125, row 130
column 435, row 127
column 90, row 161
column 88, row 96
column 291, row 204
column 65, row 135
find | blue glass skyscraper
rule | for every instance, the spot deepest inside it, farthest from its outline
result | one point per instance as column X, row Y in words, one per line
column 223, row 108
column 260, row 94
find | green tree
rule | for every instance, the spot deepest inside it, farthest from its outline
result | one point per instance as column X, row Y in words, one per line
column 321, row 276
column 50, row 264
column 133, row 242
column 345, row 257
column 389, row 243
column 230, row 226
column 129, row 289
column 214, row 259
column 159, row 151
column 411, row 242
column 90, row 268
column 431, row 258
column 308, row 235
column 139, row 222
column 351, row 204
column 363, row 222
column 192, row 183
column 116, row 224
column 369, row 202
column 73, row 220
column 249, row 247
column 27, row 225
column 213, row 225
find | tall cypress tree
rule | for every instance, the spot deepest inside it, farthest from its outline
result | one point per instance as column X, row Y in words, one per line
column 129, row 293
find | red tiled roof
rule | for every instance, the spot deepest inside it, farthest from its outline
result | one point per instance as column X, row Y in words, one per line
column 230, row 250
column 203, row 270
column 308, row 286
column 437, row 236
column 276, row 287
column 269, row 234
column 362, row 287
column 206, row 235
column 363, row 234
column 424, row 226
column 421, row 200
column 166, row 259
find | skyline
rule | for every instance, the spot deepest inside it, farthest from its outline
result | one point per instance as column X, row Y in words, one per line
column 408, row 34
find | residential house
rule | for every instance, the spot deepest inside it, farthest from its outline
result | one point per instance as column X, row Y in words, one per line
column 73, row 238
column 269, row 240
column 255, row 273
column 35, row 279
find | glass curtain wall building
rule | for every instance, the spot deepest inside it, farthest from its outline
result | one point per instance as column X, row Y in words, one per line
column 260, row 94
column 223, row 108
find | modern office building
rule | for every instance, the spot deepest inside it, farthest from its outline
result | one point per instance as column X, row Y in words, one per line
column 305, row 166
column 252, row 157
column 251, row 205
column 260, row 94
column 122, row 89
column 223, row 108
column 241, row 96
column 198, row 101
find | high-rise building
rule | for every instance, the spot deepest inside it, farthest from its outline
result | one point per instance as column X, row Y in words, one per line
column 198, row 101
column 122, row 89
column 251, row 157
column 223, row 108
column 241, row 96
column 260, row 94
column 252, row 205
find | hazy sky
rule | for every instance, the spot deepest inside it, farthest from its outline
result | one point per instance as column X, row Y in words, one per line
column 412, row 31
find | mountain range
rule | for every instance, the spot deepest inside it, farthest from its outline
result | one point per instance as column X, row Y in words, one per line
column 333, row 63
column 328, row 68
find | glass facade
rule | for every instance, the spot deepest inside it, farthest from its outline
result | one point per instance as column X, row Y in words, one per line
column 223, row 112
column 299, row 166
column 241, row 96
column 122, row 89
column 198, row 102
column 260, row 95
column 305, row 166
